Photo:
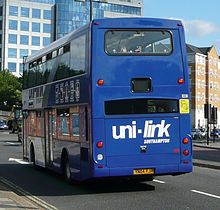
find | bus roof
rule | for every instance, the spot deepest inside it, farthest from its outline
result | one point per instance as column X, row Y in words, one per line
column 139, row 22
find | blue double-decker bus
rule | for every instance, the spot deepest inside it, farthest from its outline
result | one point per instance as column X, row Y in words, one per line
column 110, row 99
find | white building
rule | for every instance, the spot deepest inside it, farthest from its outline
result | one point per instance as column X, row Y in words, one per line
column 25, row 27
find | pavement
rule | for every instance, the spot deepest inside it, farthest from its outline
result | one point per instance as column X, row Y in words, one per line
column 210, row 146
column 13, row 199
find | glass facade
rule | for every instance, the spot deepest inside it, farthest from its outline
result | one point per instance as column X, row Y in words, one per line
column 42, row 1
column 71, row 15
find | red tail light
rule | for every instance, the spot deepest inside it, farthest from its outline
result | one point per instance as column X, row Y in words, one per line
column 186, row 152
column 99, row 144
column 100, row 82
column 185, row 141
column 180, row 81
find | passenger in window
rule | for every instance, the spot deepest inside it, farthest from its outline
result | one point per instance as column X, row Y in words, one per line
column 123, row 49
column 138, row 49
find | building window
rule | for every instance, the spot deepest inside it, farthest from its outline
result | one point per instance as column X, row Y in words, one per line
column 13, row 10
column 23, row 52
column 24, row 12
column 46, row 28
column 12, row 39
column 21, row 67
column 13, row 24
column 46, row 41
column 36, row 13
column 0, row 11
column 12, row 53
column 0, row 24
column 35, row 27
column 12, row 67
column 24, row 39
column 35, row 41
column 24, row 26
column 47, row 14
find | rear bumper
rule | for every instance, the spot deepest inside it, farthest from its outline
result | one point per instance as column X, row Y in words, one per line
column 128, row 171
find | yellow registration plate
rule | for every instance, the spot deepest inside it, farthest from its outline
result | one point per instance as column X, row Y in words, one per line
column 143, row 171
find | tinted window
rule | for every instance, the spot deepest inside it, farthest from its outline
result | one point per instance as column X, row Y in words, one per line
column 12, row 67
column 13, row 10
column 47, row 14
column 23, row 53
column 138, row 42
column 35, row 27
column 36, row 13
column 35, row 41
column 24, row 26
column 24, row 39
column 46, row 28
column 24, row 12
column 141, row 106
column 12, row 38
column 78, row 53
column 12, row 53
column 46, row 41
column 13, row 25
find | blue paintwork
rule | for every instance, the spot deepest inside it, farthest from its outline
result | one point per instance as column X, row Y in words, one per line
column 121, row 156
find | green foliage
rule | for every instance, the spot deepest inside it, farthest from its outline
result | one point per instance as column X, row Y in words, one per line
column 10, row 90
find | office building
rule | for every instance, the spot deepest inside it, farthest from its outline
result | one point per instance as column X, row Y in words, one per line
column 28, row 25
column 71, row 14
column 25, row 27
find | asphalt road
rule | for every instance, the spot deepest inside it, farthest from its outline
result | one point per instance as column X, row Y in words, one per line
column 197, row 190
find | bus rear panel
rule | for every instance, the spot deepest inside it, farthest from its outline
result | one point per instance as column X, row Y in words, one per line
column 140, row 98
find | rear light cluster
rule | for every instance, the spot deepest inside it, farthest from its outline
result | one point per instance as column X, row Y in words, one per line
column 99, row 145
column 186, row 151
column 100, row 82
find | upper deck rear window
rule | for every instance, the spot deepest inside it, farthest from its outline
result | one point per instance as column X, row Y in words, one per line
column 138, row 42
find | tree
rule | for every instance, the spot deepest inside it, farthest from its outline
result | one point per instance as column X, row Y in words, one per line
column 10, row 90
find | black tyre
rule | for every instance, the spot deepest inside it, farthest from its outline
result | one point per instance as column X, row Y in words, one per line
column 66, row 169
column 32, row 155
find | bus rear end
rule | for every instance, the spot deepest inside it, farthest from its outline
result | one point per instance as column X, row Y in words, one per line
column 140, row 98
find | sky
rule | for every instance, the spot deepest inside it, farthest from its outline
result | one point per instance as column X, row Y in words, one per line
column 201, row 18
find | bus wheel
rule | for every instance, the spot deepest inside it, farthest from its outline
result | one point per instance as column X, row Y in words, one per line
column 66, row 169
column 32, row 155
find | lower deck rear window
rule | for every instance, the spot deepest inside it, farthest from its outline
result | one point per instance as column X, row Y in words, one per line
column 141, row 106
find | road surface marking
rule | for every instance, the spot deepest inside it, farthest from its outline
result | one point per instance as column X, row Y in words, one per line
column 28, row 195
column 158, row 181
column 18, row 161
column 204, row 193
column 13, row 143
